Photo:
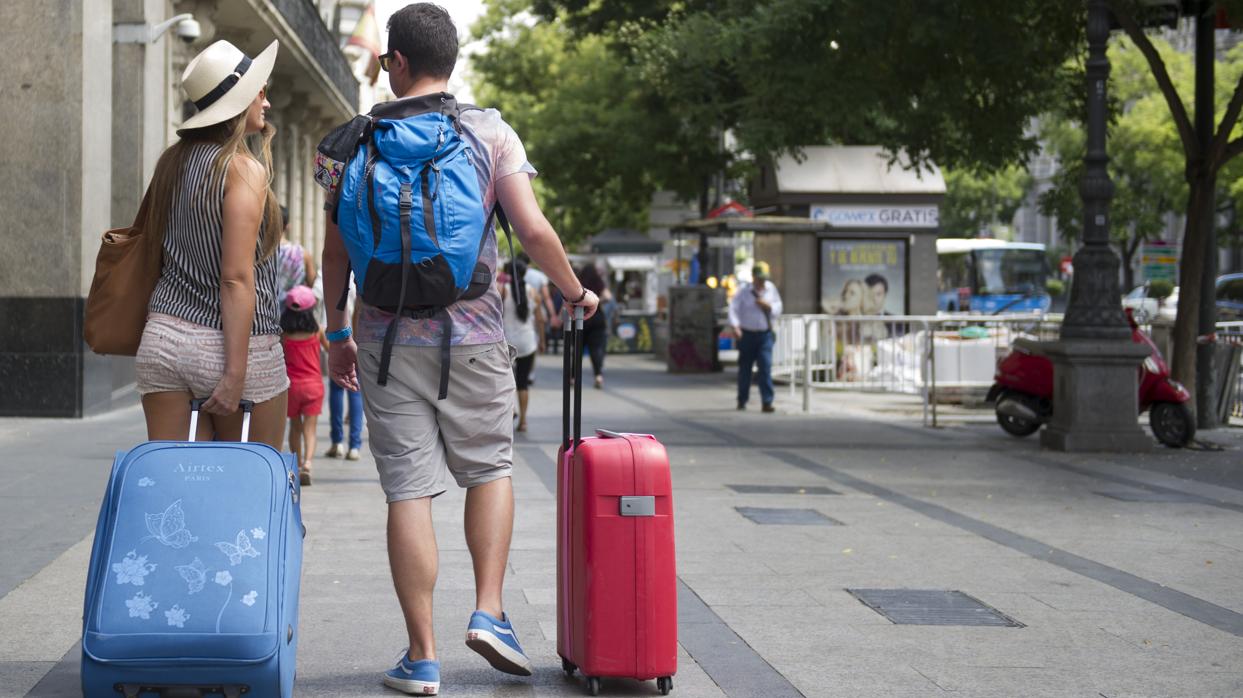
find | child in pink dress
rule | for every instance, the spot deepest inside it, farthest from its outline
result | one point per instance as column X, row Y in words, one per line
column 301, row 340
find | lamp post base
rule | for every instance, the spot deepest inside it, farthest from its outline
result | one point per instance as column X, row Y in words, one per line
column 1095, row 396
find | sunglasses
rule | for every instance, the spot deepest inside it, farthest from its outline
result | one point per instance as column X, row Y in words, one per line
column 385, row 59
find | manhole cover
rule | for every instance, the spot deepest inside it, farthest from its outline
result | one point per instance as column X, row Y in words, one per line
column 781, row 489
column 766, row 516
column 932, row 607
column 1146, row 496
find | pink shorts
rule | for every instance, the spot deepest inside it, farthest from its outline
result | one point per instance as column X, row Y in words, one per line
column 177, row 355
column 306, row 399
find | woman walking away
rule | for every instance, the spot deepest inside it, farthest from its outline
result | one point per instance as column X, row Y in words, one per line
column 294, row 265
column 524, row 325
column 301, row 341
column 213, row 325
column 596, row 328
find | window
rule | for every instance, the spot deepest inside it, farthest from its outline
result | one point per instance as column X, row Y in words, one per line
column 1010, row 271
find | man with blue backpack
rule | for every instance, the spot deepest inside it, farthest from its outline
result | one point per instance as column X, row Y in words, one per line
column 415, row 188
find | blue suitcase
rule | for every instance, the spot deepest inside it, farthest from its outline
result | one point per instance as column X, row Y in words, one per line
column 194, row 576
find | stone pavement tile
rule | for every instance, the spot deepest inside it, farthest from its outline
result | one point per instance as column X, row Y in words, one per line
column 1172, row 635
column 741, row 577
column 51, row 602
column 18, row 677
column 541, row 597
column 739, row 595
column 1029, row 682
column 1091, row 596
column 821, row 676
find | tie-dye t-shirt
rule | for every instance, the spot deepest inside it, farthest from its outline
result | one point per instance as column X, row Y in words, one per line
column 478, row 321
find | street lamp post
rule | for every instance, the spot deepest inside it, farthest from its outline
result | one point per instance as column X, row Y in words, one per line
column 1095, row 403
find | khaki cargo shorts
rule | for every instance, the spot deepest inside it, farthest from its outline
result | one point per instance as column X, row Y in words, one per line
column 417, row 440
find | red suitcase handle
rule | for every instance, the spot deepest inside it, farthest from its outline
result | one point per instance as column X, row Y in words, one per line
column 572, row 374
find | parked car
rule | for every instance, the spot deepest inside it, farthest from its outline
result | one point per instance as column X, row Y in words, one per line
column 1229, row 301
column 1146, row 308
column 1230, row 297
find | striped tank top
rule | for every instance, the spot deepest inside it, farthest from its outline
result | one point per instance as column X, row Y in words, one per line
column 189, row 285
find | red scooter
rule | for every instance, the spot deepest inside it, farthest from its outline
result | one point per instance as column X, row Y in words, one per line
column 1023, row 393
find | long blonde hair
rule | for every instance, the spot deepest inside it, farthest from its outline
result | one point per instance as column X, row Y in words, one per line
column 166, row 183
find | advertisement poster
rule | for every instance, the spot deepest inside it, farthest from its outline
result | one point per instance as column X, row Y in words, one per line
column 863, row 277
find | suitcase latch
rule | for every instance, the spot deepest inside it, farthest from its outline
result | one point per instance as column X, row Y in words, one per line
column 638, row 506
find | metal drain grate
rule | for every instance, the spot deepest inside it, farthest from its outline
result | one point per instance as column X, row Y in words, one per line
column 766, row 516
column 932, row 607
column 1146, row 496
column 781, row 489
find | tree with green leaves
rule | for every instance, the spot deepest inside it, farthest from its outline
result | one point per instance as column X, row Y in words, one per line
column 601, row 139
column 982, row 204
column 951, row 83
column 1203, row 165
column 1145, row 160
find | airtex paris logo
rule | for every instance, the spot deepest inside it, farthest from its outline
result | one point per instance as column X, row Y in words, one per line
column 197, row 473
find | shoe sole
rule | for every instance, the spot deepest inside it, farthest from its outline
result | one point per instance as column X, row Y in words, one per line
column 413, row 687
column 501, row 656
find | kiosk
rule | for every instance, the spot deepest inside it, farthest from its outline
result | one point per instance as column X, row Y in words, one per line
column 881, row 222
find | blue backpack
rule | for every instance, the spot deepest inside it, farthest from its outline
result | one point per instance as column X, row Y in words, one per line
column 408, row 199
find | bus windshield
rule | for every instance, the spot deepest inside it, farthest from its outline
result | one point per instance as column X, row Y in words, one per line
column 1002, row 271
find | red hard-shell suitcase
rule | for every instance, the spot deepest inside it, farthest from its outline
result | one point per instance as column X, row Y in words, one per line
column 616, row 579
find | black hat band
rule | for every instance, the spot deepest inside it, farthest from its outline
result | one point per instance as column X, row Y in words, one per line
column 225, row 85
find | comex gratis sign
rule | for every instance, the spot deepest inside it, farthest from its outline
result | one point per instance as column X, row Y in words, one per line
column 877, row 216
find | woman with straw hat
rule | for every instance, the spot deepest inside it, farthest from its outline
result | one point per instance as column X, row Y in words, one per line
column 213, row 326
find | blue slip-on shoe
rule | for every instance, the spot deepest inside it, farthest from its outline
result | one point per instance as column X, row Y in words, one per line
column 496, row 641
column 418, row 678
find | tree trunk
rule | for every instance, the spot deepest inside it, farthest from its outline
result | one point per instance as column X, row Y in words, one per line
column 1190, row 276
column 1128, row 272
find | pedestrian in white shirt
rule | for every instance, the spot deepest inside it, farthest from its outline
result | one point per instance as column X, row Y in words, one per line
column 752, row 311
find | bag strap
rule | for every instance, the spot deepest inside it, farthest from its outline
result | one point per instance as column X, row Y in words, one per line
column 513, row 255
column 405, row 203
column 369, row 193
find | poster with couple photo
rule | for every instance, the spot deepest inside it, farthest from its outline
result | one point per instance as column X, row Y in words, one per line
column 863, row 277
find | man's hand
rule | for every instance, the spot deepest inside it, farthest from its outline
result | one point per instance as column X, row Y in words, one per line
column 736, row 332
column 342, row 361
column 762, row 305
column 589, row 304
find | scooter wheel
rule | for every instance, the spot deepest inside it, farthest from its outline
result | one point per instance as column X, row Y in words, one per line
column 568, row 667
column 1172, row 424
column 1016, row 426
column 664, row 684
column 593, row 685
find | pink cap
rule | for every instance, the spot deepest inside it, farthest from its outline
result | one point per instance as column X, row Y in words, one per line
column 300, row 298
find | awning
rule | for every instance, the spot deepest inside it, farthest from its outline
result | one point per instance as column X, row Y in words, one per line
column 625, row 241
column 617, row 262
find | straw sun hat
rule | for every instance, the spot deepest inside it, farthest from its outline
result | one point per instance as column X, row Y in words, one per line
column 222, row 82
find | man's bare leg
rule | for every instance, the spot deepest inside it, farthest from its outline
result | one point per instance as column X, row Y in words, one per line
column 489, row 527
column 414, row 559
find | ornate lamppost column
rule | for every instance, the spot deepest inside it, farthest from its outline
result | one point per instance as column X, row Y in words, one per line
column 1095, row 403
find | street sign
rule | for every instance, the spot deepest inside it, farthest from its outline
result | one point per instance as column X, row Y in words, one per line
column 1160, row 262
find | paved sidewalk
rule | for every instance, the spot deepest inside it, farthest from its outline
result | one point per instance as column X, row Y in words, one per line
column 1124, row 574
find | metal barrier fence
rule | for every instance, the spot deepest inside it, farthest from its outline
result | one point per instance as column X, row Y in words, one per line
column 928, row 355
column 913, row 354
column 1231, row 333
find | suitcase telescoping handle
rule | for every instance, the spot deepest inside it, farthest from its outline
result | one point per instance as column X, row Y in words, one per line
column 573, row 370
column 197, row 404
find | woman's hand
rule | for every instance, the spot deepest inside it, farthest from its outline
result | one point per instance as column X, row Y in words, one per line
column 225, row 398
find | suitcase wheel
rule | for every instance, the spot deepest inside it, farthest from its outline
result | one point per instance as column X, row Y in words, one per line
column 593, row 685
column 568, row 667
column 664, row 684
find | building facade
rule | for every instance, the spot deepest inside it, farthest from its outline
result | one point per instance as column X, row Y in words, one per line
column 91, row 101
